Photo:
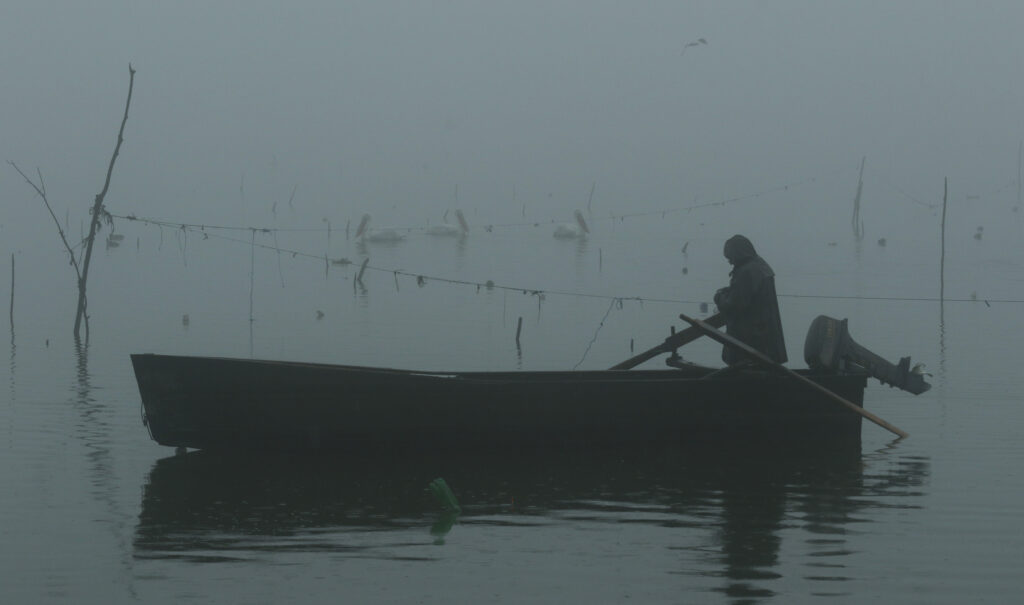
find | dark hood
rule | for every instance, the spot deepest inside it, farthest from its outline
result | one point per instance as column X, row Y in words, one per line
column 739, row 250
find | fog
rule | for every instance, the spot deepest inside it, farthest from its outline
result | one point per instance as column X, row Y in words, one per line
column 670, row 126
column 408, row 109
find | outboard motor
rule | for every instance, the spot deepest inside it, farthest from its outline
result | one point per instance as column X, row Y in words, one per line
column 829, row 347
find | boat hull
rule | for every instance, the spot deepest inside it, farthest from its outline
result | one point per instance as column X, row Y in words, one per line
column 211, row 403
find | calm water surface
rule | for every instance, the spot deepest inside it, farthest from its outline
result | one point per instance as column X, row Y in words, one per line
column 94, row 512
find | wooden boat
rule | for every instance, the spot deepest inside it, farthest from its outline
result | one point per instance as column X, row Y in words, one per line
column 207, row 402
column 202, row 402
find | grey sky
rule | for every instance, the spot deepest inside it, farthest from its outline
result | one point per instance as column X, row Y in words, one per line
column 375, row 104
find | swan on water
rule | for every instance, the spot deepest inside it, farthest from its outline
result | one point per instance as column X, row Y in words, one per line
column 376, row 235
column 575, row 230
column 448, row 229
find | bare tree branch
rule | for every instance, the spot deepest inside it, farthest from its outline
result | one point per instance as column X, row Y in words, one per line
column 41, row 190
column 97, row 212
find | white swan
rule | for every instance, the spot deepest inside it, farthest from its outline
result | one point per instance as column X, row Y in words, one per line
column 447, row 229
column 376, row 235
column 575, row 230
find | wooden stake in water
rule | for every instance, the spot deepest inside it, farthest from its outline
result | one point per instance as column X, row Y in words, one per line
column 12, row 293
column 856, row 221
column 519, row 329
column 252, row 274
column 942, row 255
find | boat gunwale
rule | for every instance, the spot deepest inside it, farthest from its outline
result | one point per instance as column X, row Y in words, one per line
column 696, row 372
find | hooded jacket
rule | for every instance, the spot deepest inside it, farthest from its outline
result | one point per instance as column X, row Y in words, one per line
column 749, row 303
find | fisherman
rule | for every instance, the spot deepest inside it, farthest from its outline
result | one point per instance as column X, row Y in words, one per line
column 749, row 304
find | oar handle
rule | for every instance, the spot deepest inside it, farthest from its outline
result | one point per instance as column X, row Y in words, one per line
column 671, row 343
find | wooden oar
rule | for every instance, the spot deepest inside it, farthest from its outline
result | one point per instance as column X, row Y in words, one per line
column 764, row 360
column 671, row 343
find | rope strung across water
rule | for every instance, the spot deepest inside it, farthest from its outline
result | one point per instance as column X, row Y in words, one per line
column 206, row 231
column 593, row 338
column 491, row 285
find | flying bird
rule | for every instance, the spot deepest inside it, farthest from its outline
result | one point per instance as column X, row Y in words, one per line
column 689, row 44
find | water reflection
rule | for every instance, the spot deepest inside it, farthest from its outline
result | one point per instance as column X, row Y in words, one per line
column 753, row 506
column 581, row 258
column 12, row 377
column 460, row 251
column 726, row 517
column 942, row 340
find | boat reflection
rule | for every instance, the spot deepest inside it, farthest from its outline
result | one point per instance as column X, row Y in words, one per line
column 723, row 516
